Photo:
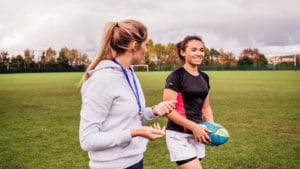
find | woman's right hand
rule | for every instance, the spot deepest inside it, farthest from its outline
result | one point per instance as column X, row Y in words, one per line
column 150, row 132
column 201, row 134
column 164, row 107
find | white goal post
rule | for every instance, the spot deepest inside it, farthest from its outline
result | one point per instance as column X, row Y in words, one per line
column 140, row 68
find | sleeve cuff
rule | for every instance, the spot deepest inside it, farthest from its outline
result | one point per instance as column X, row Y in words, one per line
column 148, row 114
column 125, row 136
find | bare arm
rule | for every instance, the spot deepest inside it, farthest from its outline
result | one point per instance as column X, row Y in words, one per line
column 207, row 114
column 174, row 115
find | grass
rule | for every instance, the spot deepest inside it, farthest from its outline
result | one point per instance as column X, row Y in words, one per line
column 39, row 120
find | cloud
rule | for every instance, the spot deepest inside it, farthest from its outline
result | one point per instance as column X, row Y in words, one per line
column 231, row 25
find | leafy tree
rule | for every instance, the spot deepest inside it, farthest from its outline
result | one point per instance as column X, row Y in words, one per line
column 262, row 60
column 206, row 59
column 214, row 56
column 82, row 60
column 50, row 56
column 160, row 53
column 72, row 56
column 18, row 62
column 245, row 60
column 62, row 58
column 28, row 58
column 226, row 59
column 4, row 60
column 172, row 56
column 42, row 60
column 255, row 55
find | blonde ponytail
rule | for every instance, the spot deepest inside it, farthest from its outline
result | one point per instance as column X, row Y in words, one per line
column 105, row 51
column 115, row 40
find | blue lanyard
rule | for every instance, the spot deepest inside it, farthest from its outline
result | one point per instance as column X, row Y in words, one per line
column 135, row 92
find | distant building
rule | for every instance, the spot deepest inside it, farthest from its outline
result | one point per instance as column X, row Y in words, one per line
column 283, row 59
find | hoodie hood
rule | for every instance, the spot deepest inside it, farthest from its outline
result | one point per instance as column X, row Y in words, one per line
column 105, row 64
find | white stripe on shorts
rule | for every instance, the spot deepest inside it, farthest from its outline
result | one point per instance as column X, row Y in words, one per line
column 183, row 146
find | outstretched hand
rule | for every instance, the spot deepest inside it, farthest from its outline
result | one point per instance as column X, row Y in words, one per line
column 150, row 132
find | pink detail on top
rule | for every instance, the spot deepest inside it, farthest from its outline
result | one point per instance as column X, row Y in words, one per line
column 179, row 107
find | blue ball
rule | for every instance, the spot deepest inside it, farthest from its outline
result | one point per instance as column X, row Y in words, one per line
column 218, row 136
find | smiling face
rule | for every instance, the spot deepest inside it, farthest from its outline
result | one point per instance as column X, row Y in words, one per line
column 193, row 53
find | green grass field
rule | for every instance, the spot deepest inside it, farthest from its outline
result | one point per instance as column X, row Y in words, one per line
column 39, row 120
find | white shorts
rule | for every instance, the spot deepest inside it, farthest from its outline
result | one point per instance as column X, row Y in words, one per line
column 183, row 146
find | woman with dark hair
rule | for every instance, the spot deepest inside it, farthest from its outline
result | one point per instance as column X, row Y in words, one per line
column 184, row 136
column 113, row 104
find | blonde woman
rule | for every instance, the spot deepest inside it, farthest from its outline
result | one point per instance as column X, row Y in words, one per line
column 190, row 87
column 113, row 104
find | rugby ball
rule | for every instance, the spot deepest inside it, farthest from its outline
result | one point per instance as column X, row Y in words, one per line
column 218, row 136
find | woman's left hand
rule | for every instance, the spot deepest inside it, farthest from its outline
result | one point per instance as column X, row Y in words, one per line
column 150, row 132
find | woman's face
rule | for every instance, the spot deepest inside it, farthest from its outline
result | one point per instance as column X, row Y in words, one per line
column 194, row 52
column 139, row 54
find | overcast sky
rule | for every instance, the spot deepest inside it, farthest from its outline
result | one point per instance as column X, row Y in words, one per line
column 272, row 26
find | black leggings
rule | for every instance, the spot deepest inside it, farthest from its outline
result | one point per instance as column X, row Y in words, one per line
column 186, row 161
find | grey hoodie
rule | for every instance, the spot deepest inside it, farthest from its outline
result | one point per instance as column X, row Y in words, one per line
column 109, row 110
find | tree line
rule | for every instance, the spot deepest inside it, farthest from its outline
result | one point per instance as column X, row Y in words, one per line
column 65, row 58
column 166, row 55
column 156, row 55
